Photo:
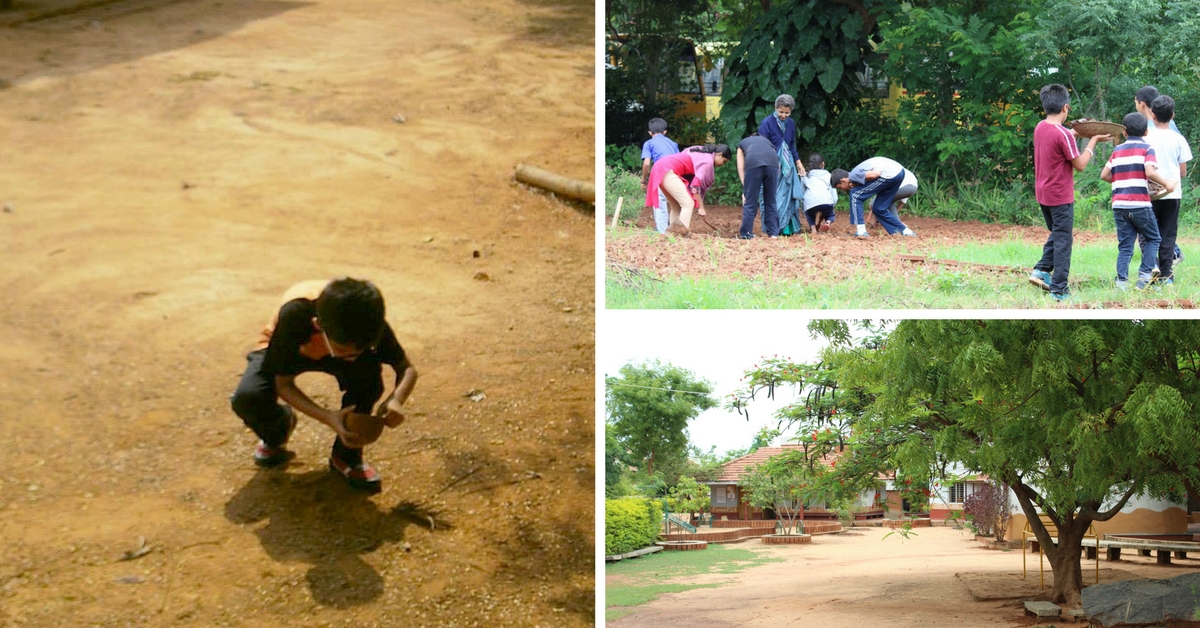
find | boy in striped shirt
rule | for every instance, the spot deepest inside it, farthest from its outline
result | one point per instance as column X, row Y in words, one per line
column 1131, row 164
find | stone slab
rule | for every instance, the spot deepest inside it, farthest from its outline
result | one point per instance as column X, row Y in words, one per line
column 1043, row 609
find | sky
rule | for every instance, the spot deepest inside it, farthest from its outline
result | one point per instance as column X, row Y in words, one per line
column 715, row 345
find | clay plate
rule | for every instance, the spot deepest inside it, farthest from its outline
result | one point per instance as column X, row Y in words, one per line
column 1093, row 127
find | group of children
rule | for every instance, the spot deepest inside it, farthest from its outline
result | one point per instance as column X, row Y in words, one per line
column 1153, row 150
column 773, row 178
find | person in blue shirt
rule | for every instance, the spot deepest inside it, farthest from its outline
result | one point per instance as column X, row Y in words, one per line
column 654, row 149
column 780, row 129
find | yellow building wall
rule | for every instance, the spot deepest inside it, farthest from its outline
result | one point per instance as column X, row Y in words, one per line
column 1170, row 521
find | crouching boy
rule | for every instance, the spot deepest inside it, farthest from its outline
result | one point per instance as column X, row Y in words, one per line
column 335, row 327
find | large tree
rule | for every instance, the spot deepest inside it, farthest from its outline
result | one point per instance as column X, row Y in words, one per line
column 1077, row 417
column 649, row 406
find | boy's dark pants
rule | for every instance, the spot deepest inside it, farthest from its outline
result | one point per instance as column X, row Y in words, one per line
column 255, row 399
column 1166, row 213
column 1056, row 253
column 762, row 180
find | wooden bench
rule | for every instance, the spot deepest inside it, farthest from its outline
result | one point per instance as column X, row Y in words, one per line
column 1093, row 550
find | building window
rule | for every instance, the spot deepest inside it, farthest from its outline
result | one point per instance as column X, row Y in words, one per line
column 958, row 493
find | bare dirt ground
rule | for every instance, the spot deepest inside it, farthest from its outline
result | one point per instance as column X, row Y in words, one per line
column 861, row 579
column 169, row 168
column 823, row 257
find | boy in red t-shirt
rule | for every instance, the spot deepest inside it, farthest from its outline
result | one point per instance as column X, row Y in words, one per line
column 1056, row 158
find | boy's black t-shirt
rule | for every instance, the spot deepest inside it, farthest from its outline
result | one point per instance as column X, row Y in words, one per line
column 297, row 347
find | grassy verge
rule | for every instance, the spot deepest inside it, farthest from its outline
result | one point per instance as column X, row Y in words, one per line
column 640, row 580
column 926, row 287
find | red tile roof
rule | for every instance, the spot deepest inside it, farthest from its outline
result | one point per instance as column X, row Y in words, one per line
column 733, row 470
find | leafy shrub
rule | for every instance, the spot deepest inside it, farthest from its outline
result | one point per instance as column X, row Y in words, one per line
column 856, row 135
column 622, row 183
column 628, row 158
column 630, row 524
column 727, row 188
column 988, row 510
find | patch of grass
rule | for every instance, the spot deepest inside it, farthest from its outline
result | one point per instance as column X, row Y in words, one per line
column 644, row 579
column 928, row 286
column 623, row 184
column 624, row 597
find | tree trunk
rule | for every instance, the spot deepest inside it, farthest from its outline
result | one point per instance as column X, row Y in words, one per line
column 1065, row 563
column 1064, row 558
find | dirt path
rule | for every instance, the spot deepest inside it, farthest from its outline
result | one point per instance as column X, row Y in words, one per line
column 169, row 169
column 861, row 579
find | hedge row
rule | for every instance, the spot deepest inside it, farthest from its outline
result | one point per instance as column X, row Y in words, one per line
column 630, row 523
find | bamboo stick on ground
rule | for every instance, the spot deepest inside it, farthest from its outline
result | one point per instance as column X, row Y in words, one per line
column 570, row 188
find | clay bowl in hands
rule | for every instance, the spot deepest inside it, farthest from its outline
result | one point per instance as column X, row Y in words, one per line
column 1088, row 128
column 368, row 427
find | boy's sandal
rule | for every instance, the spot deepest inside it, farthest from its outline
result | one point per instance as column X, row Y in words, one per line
column 361, row 476
column 268, row 456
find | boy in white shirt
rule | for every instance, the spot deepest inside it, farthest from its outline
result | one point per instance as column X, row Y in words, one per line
column 819, row 195
column 1172, row 152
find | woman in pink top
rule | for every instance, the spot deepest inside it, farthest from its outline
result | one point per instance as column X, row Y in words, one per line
column 684, row 178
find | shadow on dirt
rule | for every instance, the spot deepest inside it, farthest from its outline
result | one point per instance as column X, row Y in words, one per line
column 562, row 22
column 316, row 518
column 90, row 34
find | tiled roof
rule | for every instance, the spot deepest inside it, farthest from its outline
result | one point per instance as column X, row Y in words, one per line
column 733, row 470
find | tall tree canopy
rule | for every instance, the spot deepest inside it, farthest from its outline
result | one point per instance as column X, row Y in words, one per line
column 649, row 406
column 1076, row 416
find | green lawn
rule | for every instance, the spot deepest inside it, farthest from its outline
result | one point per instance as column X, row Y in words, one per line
column 930, row 286
column 639, row 580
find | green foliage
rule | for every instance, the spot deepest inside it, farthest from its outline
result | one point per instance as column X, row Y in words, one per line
column 972, row 92
column 855, row 135
column 619, row 183
column 1092, row 44
column 630, row 524
column 727, row 187
column 689, row 496
column 785, row 482
column 905, row 531
column 626, row 158
column 646, row 42
column 697, row 131
column 806, row 48
column 649, row 406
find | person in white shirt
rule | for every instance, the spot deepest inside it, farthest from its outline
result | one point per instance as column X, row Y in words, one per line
column 877, row 177
column 819, row 195
column 1172, row 153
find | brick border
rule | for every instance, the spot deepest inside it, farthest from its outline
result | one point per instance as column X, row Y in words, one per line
column 786, row 539
column 682, row 545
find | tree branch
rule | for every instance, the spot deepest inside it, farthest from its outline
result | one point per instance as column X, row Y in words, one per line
column 1112, row 512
